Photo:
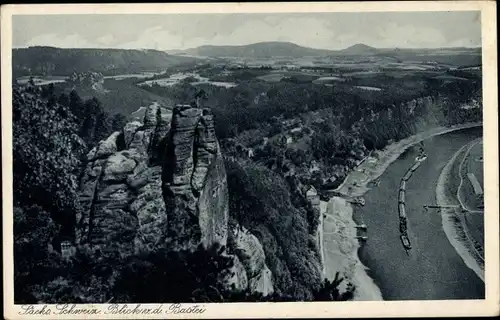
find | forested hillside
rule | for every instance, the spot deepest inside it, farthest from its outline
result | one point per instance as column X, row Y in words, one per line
column 334, row 126
column 63, row 62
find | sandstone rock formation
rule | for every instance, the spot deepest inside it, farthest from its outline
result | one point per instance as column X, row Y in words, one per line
column 194, row 180
column 161, row 182
column 253, row 259
column 120, row 191
column 94, row 80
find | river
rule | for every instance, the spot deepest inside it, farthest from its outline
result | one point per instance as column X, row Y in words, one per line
column 433, row 270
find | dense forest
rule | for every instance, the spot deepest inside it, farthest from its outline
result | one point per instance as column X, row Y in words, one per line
column 63, row 62
column 261, row 201
column 336, row 125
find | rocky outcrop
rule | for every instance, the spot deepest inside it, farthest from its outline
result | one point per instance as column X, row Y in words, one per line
column 120, row 191
column 251, row 254
column 94, row 80
column 418, row 103
column 238, row 278
column 313, row 198
column 161, row 182
column 194, row 180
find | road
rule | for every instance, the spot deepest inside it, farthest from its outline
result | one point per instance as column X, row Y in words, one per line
column 465, row 191
column 474, row 218
column 434, row 270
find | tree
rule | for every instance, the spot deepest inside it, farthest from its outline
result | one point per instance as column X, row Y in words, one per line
column 77, row 107
column 96, row 123
column 260, row 201
column 118, row 121
column 46, row 153
column 175, row 276
column 329, row 291
column 34, row 231
column 64, row 100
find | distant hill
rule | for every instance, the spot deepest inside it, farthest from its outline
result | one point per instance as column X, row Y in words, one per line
column 359, row 49
column 56, row 61
column 256, row 50
column 451, row 56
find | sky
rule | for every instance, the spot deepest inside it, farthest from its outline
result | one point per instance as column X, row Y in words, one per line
column 317, row 30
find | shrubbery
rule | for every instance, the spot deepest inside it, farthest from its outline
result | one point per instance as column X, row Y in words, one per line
column 47, row 153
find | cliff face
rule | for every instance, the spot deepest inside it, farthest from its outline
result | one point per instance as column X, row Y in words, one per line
column 313, row 198
column 120, row 190
column 250, row 253
column 194, row 180
column 162, row 181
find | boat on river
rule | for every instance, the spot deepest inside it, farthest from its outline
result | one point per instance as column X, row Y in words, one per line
column 401, row 196
column 402, row 185
column 405, row 241
column 407, row 176
column 415, row 166
column 357, row 200
column 421, row 157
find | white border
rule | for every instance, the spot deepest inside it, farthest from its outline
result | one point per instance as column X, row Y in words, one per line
column 489, row 306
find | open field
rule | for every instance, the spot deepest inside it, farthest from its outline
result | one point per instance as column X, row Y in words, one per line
column 364, row 74
column 41, row 80
column 194, row 79
column 117, row 96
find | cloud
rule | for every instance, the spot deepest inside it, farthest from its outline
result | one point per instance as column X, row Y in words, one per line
column 326, row 31
column 69, row 41
column 106, row 39
column 399, row 35
column 153, row 38
column 302, row 31
column 392, row 35
column 464, row 42
column 315, row 34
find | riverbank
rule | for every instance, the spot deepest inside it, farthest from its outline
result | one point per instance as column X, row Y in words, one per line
column 356, row 185
column 341, row 247
column 453, row 220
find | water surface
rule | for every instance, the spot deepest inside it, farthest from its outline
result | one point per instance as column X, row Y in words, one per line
column 434, row 270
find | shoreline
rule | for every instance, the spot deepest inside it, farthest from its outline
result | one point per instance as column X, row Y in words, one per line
column 356, row 185
column 453, row 221
column 340, row 234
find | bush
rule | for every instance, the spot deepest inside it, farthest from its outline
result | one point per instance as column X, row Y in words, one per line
column 175, row 276
column 34, row 265
column 329, row 291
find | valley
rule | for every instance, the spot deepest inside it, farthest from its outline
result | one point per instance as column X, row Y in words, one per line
column 265, row 149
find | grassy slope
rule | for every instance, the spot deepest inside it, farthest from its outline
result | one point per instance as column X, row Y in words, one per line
column 123, row 97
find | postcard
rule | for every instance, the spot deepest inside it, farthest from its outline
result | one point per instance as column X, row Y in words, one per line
column 250, row 160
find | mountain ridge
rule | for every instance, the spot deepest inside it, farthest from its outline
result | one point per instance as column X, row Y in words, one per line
column 259, row 49
column 290, row 49
column 49, row 60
